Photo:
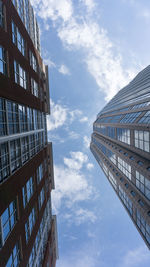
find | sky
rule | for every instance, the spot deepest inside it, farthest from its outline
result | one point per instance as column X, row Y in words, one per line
column 93, row 48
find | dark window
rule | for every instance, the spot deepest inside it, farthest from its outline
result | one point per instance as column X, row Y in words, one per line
column 3, row 64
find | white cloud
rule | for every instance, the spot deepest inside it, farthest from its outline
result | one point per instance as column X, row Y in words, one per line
column 90, row 166
column 83, row 215
column 100, row 58
column 85, row 256
column 58, row 116
column 71, row 186
column 136, row 258
column 53, row 9
column 84, row 119
column 64, row 70
column 76, row 161
column 83, row 33
column 50, row 63
column 86, row 141
column 90, row 4
column 62, row 115
column 73, row 135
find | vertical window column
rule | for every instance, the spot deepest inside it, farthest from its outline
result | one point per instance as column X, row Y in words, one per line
column 3, row 123
column 142, row 140
column 3, row 62
column 7, row 221
column 14, row 258
column 1, row 14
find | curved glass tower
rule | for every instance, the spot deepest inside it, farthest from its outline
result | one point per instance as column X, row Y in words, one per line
column 121, row 145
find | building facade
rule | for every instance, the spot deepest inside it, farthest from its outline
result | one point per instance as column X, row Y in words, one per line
column 121, row 145
column 28, row 231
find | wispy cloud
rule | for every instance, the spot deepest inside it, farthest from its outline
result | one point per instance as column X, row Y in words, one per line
column 76, row 161
column 61, row 115
column 136, row 258
column 64, row 70
column 73, row 186
column 85, row 256
column 83, row 33
column 90, row 166
column 86, row 141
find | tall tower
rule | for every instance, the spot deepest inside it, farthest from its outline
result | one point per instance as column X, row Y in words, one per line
column 121, row 145
column 28, row 232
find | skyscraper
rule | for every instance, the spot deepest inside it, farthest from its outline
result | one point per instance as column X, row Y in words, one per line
column 121, row 145
column 28, row 232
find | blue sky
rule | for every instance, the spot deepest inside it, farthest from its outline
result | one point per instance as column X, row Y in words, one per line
column 93, row 48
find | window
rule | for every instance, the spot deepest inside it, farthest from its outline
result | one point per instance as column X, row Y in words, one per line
column 130, row 117
column 2, row 117
column 17, row 39
column 15, row 154
column 143, row 226
column 123, row 135
column 20, row 9
column 112, row 156
column 27, row 191
column 146, row 118
column 23, row 118
column 34, row 88
column 112, row 180
column 125, row 168
column 111, row 132
column 1, row 14
column 39, row 173
column 41, row 198
column 4, row 161
column 133, row 193
column 7, row 221
column 13, row 118
column 29, row 224
column 143, row 184
column 105, row 169
column 14, row 257
column 32, row 257
column 127, row 202
column 26, row 10
column 30, row 118
column 25, row 149
column 20, row 75
column 32, row 144
column 142, row 140
column 3, row 64
column 33, row 62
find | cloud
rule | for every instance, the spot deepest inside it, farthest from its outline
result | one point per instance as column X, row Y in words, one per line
column 50, row 63
column 90, row 166
column 76, row 161
column 90, row 4
column 60, row 9
column 58, row 116
column 86, row 141
column 87, row 255
column 64, row 70
column 82, row 32
column 83, row 215
column 101, row 61
column 62, row 115
column 73, row 186
column 136, row 258
column 84, row 119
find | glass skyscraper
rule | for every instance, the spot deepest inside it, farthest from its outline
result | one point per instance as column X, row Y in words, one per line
column 28, row 231
column 121, row 145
